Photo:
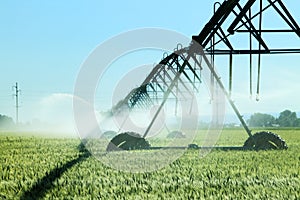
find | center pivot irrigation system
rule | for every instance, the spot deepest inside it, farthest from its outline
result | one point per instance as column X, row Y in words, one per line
column 184, row 66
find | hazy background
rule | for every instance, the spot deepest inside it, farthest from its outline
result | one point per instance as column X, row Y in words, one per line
column 43, row 44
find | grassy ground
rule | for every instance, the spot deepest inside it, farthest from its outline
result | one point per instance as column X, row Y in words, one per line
column 40, row 167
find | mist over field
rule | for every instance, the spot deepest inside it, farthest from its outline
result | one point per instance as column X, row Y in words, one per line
column 50, row 116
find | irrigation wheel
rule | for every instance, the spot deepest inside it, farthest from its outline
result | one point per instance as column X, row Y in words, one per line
column 127, row 141
column 176, row 134
column 264, row 141
column 109, row 134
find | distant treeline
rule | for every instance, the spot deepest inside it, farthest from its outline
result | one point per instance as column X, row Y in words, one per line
column 286, row 118
column 6, row 122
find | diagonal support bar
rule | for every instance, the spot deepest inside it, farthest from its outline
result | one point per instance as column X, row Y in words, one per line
column 166, row 95
column 240, row 16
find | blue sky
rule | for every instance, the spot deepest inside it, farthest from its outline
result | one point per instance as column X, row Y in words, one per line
column 44, row 43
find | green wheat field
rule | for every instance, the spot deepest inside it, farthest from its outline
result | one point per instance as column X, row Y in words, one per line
column 35, row 167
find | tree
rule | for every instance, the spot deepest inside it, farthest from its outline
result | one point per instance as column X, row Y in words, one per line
column 261, row 120
column 6, row 122
column 288, row 118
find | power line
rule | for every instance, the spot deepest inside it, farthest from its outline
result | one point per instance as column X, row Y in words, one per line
column 16, row 94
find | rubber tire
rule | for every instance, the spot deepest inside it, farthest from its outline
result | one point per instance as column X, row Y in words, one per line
column 176, row 134
column 127, row 141
column 193, row 146
column 109, row 134
column 265, row 140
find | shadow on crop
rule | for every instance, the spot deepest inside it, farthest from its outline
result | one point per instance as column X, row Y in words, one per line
column 39, row 189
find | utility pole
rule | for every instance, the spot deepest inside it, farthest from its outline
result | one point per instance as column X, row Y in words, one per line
column 16, row 94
